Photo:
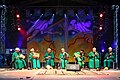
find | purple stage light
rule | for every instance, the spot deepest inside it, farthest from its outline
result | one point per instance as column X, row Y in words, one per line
column 10, row 49
column 103, row 50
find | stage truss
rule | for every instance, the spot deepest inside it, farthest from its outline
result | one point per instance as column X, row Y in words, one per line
column 2, row 28
column 116, row 8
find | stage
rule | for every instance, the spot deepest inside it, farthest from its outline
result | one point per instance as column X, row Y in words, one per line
column 58, row 74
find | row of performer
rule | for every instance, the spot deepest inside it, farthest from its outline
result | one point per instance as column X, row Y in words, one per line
column 18, row 60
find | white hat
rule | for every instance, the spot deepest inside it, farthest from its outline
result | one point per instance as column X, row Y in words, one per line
column 62, row 49
column 17, row 49
column 32, row 49
column 94, row 48
column 48, row 49
column 110, row 48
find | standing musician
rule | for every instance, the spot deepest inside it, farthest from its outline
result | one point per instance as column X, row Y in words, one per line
column 79, row 57
column 109, row 57
column 94, row 59
column 18, row 59
column 33, row 59
column 49, row 58
column 63, row 58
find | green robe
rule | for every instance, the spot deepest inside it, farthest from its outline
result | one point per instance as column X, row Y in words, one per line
column 24, row 63
column 79, row 59
column 93, row 60
column 63, row 61
column 35, row 62
column 18, row 62
column 49, row 61
column 107, row 62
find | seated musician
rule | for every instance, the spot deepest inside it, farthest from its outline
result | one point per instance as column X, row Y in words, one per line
column 109, row 58
column 49, row 58
column 18, row 59
column 34, row 59
column 79, row 57
column 94, row 59
column 63, row 58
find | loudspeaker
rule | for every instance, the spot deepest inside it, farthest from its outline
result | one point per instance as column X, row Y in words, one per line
column 73, row 67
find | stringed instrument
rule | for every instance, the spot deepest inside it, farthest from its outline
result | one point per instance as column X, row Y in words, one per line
column 77, row 55
column 66, row 56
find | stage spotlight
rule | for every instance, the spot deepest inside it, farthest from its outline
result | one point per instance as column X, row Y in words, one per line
column 11, row 50
column 78, row 16
column 103, row 50
column 65, row 15
column 19, row 28
column 17, row 15
column 100, row 28
column 101, row 15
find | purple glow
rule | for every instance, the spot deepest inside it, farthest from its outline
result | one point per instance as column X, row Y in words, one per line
column 40, row 25
column 103, row 50
column 73, row 32
column 82, row 26
column 10, row 49
column 114, row 44
column 72, row 22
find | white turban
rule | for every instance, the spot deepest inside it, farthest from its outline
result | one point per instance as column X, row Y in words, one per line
column 48, row 49
column 32, row 49
column 62, row 49
column 110, row 48
column 94, row 48
column 17, row 49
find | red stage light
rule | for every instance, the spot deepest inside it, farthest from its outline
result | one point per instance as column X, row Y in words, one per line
column 17, row 15
column 19, row 28
column 101, row 15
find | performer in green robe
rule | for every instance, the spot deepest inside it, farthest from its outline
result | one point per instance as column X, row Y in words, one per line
column 16, row 59
column 109, row 57
column 63, row 58
column 33, row 59
column 94, row 59
column 79, row 57
column 49, row 58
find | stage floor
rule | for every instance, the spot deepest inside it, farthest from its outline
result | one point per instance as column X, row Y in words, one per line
column 55, row 74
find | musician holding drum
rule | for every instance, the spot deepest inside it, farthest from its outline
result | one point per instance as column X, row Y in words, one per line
column 63, row 58
column 34, row 59
column 109, row 58
column 79, row 57
column 18, row 59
